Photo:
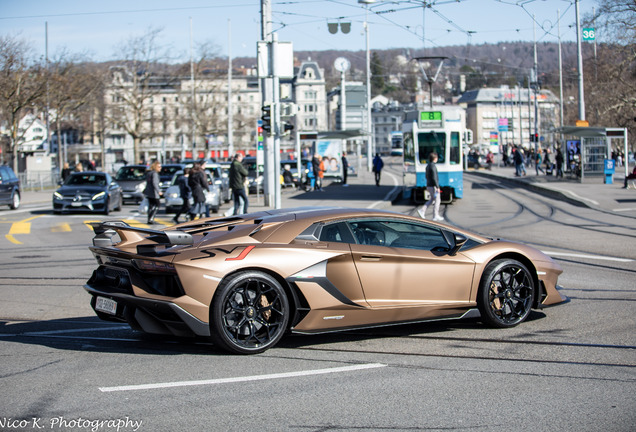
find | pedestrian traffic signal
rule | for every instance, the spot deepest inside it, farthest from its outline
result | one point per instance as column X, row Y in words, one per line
column 267, row 118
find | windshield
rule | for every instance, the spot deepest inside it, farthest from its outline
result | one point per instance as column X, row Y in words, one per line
column 168, row 171
column 430, row 142
column 86, row 179
column 131, row 173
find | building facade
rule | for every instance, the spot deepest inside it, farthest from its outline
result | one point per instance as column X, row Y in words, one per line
column 506, row 116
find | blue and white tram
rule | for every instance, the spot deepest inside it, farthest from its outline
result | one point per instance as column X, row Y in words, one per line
column 440, row 129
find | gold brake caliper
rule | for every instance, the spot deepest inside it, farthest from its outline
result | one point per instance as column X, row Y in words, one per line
column 264, row 304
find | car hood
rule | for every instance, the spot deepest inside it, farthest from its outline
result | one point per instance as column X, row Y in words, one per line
column 65, row 190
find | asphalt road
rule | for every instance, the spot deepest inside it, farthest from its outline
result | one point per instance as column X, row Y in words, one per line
column 571, row 367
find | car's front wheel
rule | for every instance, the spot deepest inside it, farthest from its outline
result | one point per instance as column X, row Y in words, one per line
column 15, row 201
column 506, row 293
column 249, row 313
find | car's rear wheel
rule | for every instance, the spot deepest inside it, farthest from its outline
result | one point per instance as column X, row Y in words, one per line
column 249, row 313
column 15, row 201
column 506, row 293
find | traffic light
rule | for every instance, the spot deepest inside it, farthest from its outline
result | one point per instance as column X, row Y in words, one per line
column 267, row 118
column 287, row 127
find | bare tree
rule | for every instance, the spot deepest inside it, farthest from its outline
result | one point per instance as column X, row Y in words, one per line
column 611, row 74
column 22, row 86
column 133, row 86
column 72, row 86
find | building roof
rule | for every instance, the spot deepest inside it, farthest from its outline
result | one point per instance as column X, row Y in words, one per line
column 503, row 94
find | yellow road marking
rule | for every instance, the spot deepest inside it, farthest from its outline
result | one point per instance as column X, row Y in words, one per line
column 61, row 227
column 20, row 227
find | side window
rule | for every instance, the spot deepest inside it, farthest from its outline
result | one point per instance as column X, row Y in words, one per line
column 3, row 174
column 415, row 236
column 370, row 232
column 398, row 234
column 336, row 232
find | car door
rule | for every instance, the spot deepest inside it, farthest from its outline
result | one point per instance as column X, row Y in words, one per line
column 5, row 185
column 405, row 263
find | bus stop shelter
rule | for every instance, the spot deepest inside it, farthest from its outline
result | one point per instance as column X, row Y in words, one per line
column 591, row 146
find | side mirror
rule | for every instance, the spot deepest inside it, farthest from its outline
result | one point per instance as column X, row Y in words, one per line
column 460, row 240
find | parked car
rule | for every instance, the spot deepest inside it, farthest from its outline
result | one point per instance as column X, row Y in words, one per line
column 173, row 200
column 245, row 281
column 132, row 179
column 9, row 187
column 223, row 182
column 166, row 174
column 88, row 191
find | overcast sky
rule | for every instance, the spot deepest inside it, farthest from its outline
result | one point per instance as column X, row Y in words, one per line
column 97, row 29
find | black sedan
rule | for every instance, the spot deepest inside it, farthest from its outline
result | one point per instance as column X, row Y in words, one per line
column 88, row 191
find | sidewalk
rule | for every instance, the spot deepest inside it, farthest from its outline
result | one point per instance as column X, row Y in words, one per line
column 592, row 193
column 362, row 192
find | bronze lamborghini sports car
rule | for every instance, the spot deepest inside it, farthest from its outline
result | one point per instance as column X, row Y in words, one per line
column 244, row 281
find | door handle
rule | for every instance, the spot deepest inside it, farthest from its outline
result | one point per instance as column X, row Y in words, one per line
column 370, row 258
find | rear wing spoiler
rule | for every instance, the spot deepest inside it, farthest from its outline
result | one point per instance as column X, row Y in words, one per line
column 105, row 231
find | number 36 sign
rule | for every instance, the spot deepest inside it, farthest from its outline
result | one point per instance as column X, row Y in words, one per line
column 589, row 34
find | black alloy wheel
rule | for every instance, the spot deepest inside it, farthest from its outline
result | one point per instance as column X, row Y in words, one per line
column 249, row 313
column 506, row 293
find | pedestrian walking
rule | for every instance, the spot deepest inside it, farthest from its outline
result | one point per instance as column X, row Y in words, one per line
column 432, row 186
column 559, row 163
column 548, row 163
column 185, row 193
column 490, row 159
column 151, row 192
column 537, row 161
column 316, row 163
column 198, row 185
column 378, row 164
column 519, row 161
column 238, row 175
column 345, row 168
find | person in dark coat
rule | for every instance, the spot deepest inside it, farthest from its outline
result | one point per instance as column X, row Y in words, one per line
column 378, row 164
column 238, row 175
column 198, row 185
column 315, row 165
column 185, row 193
column 152, row 190
column 345, row 168
column 559, row 163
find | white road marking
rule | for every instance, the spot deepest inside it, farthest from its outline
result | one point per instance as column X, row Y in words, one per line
column 389, row 194
column 593, row 257
column 242, row 379
column 623, row 209
column 50, row 332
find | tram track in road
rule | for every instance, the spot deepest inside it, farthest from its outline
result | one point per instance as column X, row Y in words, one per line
column 596, row 225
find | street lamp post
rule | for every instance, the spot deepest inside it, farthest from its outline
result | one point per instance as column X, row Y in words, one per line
column 369, row 125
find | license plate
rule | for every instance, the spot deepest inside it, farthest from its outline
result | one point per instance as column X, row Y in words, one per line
column 76, row 204
column 106, row 305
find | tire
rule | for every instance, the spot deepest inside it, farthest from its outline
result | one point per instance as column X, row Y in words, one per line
column 249, row 313
column 15, row 201
column 119, row 204
column 106, row 207
column 506, row 293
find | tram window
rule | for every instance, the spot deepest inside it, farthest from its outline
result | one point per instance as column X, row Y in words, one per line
column 429, row 142
column 454, row 148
